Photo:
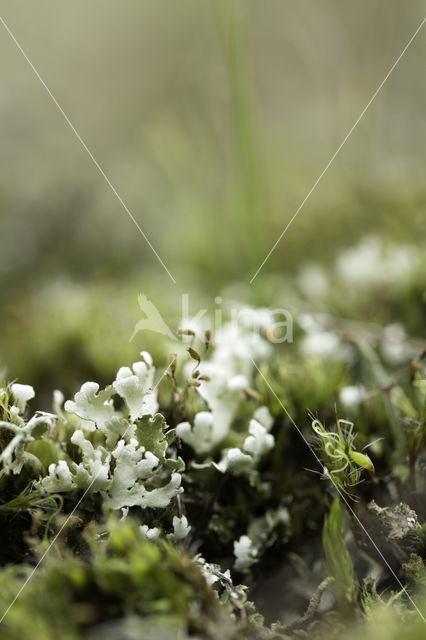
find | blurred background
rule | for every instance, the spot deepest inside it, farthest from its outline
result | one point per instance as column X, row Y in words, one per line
column 213, row 120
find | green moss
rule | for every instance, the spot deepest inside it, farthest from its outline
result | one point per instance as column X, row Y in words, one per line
column 119, row 574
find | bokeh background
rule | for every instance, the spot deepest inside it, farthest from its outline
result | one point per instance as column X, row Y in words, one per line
column 212, row 120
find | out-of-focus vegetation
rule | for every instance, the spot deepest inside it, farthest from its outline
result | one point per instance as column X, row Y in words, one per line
column 213, row 120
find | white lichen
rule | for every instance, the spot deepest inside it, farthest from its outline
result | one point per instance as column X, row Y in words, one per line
column 245, row 554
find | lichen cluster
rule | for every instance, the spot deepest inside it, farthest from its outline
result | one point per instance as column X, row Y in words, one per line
column 172, row 494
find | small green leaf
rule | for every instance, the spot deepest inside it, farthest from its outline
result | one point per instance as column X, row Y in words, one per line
column 150, row 434
column 362, row 460
column 338, row 560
